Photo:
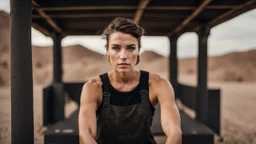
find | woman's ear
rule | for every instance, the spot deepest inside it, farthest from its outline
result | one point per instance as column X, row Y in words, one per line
column 138, row 59
column 107, row 53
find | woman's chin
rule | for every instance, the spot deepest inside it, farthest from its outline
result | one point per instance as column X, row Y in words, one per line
column 123, row 69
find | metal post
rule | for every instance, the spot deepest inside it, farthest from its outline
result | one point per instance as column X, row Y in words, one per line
column 58, row 91
column 202, row 90
column 57, row 58
column 173, row 63
column 22, row 125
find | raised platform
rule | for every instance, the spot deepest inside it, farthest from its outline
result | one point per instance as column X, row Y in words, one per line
column 194, row 132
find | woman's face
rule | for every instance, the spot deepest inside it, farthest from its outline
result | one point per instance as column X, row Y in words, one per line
column 122, row 51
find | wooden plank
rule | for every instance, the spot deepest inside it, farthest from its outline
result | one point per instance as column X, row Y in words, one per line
column 47, row 18
column 41, row 29
column 83, row 15
column 77, row 8
column 189, row 7
column 188, row 19
column 224, row 16
column 108, row 15
column 143, row 4
column 230, row 12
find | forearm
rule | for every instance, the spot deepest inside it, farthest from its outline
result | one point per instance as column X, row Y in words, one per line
column 174, row 137
column 86, row 138
column 87, row 130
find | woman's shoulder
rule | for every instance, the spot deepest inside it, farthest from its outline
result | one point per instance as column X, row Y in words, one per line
column 94, row 83
column 156, row 79
column 91, row 91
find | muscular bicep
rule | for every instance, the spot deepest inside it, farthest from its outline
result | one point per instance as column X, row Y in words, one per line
column 170, row 117
column 88, row 107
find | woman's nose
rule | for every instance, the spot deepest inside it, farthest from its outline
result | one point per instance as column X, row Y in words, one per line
column 123, row 55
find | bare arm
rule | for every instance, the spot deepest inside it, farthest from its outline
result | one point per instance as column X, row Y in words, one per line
column 87, row 114
column 170, row 117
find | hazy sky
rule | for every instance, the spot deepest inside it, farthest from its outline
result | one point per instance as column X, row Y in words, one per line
column 237, row 34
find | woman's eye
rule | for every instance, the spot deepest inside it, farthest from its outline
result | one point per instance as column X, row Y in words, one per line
column 115, row 48
column 131, row 48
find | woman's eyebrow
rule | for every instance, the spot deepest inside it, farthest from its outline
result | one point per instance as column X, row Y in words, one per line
column 131, row 45
column 115, row 45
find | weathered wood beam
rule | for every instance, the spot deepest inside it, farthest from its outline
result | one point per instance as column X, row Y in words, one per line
column 47, row 18
column 188, row 19
column 77, row 8
column 108, row 15
column 221, row 6
column 143, row 4
column 41, row 29
column 84, row 15
column 221, row 18
column 190, row 7
column 230, row 12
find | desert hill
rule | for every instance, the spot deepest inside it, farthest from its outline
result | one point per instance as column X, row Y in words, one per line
column 149, row 56
column 4, row 47
column 235, row 66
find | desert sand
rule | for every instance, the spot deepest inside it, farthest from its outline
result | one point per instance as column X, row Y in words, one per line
column 233, row 73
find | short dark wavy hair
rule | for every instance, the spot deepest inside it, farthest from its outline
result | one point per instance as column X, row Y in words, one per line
column 123, row 25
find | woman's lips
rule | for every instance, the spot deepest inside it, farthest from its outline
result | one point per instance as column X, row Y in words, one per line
column 123, row 65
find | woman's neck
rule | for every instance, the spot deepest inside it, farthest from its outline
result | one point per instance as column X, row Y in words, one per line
column 125, row 77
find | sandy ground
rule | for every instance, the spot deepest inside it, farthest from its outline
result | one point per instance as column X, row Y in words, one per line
column 238, row 115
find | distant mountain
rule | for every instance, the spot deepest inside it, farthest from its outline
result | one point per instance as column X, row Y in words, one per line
column 4, row 48
column 78, row 52
column 4, row 32
column 147, row 56
column 234, row 66
column 4, row 14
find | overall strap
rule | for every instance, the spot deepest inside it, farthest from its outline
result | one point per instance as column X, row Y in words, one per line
column 106, row 94
column 144, row 76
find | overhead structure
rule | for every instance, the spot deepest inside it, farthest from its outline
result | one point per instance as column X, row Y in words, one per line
column 142, row 6
column 189, row 18
column 159, row 18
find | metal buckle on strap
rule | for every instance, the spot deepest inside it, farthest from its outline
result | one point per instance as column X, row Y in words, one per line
column 144, row 95
column 144, row 92
column 107, row 94
column 106, row 98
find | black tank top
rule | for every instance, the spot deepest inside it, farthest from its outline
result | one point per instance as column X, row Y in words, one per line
column 126, row 98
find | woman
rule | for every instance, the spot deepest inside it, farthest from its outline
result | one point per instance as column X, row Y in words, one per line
column 118, row 106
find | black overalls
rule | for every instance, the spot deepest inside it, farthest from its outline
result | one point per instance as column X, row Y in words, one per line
column 126, row 124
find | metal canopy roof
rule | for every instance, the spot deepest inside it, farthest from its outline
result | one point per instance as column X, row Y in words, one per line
column 157, row 17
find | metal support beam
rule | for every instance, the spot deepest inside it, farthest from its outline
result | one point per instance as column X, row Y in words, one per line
column 229, row 14
column 57, row 58
column 190, row 18
column 202, row 93
column 41, row 29
column 47, row 18
column 79, row 8
column 108, row 15
column 22, row 125
column 58, row 100
column 173, row 63
column 143, row 4
column 84, row 15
